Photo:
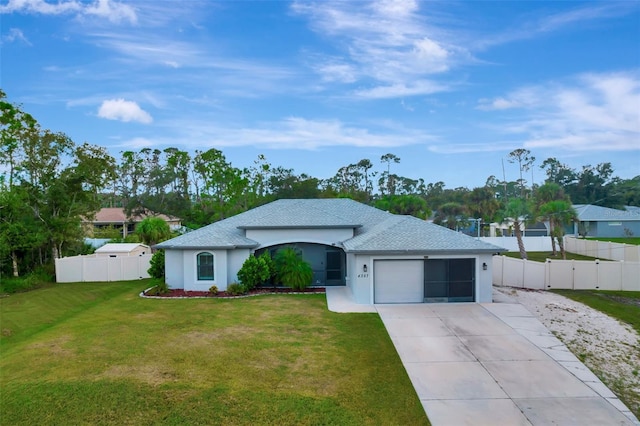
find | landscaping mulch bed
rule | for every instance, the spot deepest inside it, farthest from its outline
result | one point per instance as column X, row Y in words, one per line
column 178, row 293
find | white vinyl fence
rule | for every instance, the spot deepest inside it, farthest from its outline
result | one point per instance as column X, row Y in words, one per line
column 511, row 243
column 566, row 274
column 603, row 249
column 101, row 268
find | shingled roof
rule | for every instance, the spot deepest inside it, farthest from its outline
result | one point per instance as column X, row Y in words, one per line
column 592, row 213
column 374, row 230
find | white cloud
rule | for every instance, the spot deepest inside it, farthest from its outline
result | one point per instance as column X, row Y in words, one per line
column 496, row 104
column 423, row 87
column 15, row 34
column 521, row 98
column 593, row 112
column 337, row 72
column 41, row 7
column 111, row 10
column 396, row 7
column 386, row 44
column 536, row 26
column 136, row 144
column 297, row 133
column 119, row 109
column 465, row 148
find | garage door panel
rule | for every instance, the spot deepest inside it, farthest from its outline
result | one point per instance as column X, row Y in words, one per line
column 398, row 281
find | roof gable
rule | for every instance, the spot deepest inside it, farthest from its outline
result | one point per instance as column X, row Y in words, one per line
column 403, row 234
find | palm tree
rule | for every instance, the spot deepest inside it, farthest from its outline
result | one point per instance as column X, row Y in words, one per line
column 482, row 203
column 292, row 270
column 153, row 230
column 560, row 213
column 545, row 194
column 517, row 210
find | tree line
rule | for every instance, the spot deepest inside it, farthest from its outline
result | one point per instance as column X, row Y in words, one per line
column 49, row 185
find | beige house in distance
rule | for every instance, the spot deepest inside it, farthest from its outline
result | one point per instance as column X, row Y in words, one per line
column 116, row 218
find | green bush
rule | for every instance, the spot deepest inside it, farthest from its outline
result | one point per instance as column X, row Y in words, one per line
column 156, row 268
column 235, row 289
column 266, row 258
column 254, row 272
column 159, row 289
column 38, row 278
column 291, row 270
column 213, row 289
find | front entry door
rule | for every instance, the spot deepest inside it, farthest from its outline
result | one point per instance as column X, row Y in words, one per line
column 334, row 267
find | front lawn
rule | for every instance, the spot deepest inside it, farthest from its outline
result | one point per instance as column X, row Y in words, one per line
column 542, row 256
column 96, row 353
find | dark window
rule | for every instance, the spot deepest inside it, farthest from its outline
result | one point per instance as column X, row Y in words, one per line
column 205, row 266
column 451, row 280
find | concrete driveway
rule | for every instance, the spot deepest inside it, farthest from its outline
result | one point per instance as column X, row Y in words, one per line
column 495, row 364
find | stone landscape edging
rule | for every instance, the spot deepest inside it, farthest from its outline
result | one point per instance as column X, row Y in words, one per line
column 145, row 296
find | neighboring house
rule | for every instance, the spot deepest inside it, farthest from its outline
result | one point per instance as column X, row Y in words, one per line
column 381, row 257
column 597, row 221
column 506, row 229
column 116, row 218
column 123, row 249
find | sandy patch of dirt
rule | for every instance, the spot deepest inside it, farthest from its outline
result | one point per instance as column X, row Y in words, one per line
column 148, row 374
column 56, row 347
column 608, row 347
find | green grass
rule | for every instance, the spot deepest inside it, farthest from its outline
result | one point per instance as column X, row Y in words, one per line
column 542, row 256
column 623, row 240
column 96, row 353
column 622, row 305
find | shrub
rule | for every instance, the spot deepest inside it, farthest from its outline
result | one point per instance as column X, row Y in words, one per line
column 39, row 277
column 254, row 272
column 291, row 270
column 156, row 268
column 235, row 289
column 159, row 289
column 213, row 289
column 268, row 261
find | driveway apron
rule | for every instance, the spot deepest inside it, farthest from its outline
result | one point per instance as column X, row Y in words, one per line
column 496, row 364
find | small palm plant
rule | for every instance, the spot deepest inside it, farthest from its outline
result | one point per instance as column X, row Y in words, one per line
column 291, row 270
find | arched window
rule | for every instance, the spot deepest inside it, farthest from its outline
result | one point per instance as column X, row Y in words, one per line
column 205, row 267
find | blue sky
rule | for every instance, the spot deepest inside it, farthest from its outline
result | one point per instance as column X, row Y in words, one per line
column 449, row 87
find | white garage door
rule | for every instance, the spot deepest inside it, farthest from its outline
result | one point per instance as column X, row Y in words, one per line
column 398, row 281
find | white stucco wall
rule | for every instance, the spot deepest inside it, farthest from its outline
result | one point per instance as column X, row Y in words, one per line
column 235, row 259
column 270, row 237
column 174, row 268
column 484, row 279
column 181, row 268
column 190, row 263
column 360, row 282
